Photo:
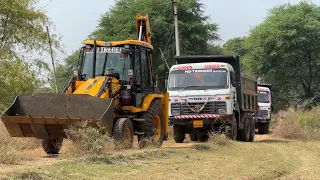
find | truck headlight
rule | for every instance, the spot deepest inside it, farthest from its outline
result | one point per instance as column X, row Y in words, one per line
column 175, row 112
column 222, row 111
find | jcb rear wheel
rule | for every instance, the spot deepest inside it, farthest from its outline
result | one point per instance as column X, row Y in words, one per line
column 123, row 133
column 52, row 146
column 153, row 125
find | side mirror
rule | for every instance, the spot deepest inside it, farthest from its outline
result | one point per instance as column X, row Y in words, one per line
column 166, row 83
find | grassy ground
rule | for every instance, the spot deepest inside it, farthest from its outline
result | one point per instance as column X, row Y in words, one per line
column 267, row 158
column 292, row 151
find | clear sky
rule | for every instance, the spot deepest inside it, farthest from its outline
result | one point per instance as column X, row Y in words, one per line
column 75, row 19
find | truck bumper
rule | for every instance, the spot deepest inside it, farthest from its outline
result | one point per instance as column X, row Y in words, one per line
column 262, row 120
column 207, row 120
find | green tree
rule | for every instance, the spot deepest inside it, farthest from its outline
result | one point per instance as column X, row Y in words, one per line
column 285, row 51
column 234, row 46
column 65, row 71
column 17, row 78
column 196, row 35
column 22, row 27
column 22, row 33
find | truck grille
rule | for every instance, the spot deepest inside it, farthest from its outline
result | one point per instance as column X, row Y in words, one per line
column 210, row 108
column 263, row 113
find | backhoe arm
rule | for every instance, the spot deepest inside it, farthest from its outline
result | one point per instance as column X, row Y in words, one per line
column 143, row 28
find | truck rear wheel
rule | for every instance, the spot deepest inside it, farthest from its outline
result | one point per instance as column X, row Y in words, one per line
column 179, row 133
column 153, row 125
column 245, row 132
column 263, row 128
column 52, row 146
column 193, row 136
column 252, row 130
column 123, row 133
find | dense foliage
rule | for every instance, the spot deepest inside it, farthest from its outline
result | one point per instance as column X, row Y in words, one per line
column 285, row 50
column 22, row 32
column 196, row 35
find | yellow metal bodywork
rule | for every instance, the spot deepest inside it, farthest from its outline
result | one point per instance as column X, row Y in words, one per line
column 119, row 43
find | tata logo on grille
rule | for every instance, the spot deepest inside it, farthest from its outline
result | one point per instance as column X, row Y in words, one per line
column 196, row 98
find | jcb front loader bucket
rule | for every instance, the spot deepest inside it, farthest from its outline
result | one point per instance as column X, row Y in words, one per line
column 47, row 115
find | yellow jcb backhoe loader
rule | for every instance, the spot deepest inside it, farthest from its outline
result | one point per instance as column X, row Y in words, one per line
column 113, row 86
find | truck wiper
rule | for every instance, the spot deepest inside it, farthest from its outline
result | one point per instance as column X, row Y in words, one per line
column 187, row 87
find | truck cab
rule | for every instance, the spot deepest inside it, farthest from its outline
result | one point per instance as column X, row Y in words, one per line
column 263, row 116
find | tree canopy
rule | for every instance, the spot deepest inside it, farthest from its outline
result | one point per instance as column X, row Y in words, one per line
column 22, row 31
column 196, row 34
column 285, row 50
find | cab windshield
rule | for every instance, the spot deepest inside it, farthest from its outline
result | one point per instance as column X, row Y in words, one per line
column 118, row 61
column 263, row 96
column 198, row 79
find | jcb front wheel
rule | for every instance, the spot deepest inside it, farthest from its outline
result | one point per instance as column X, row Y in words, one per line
column 123, row 133
column 153, row 125
column 52, row 146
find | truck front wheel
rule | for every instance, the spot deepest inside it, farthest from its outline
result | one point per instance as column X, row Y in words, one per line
column 179, row 133
column 263, row 128
column 233, row 130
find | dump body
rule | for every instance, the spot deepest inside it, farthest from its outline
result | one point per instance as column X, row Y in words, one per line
column 48, row 115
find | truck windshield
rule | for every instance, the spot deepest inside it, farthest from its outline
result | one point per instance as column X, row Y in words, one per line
column 198, row 79
column 263, row 96
column 118, row 61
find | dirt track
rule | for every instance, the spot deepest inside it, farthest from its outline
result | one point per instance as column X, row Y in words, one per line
column 273, row 157
column 39, row 158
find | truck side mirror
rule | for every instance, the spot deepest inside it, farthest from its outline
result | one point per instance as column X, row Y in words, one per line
column 166, row 83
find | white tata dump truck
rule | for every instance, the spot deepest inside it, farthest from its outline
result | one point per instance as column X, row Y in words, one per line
column 208, row 93
column 263, row 117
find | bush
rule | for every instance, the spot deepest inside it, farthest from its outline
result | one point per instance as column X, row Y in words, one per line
column 298, row 125
column 310, row 119
column 87, row 140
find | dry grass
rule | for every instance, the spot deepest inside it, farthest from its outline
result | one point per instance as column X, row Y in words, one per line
column 83, row 139
column 268, row 159
column 299, row 125
column 12, row 150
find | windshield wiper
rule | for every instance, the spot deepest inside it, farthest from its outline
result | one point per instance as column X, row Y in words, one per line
column 187, row 87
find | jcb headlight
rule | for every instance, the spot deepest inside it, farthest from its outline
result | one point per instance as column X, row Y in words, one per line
column 175, row 112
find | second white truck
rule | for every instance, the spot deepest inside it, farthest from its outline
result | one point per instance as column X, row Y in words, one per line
column 263, row 116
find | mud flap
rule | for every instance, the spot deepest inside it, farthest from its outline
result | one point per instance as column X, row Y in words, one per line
column 48, row 115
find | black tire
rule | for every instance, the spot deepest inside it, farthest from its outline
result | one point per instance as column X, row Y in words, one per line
column 233, row 130
column 193, row 136
column 179, row 133
column 123, row 133
column 245, row 132
column 148, row 126
column 203, row 137
column 252, row 130
column 263, row 128
column 52, row 146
